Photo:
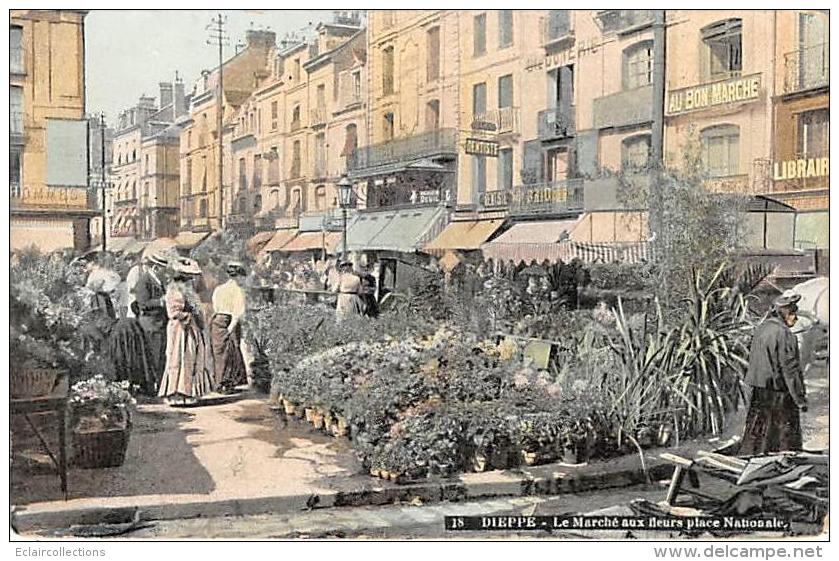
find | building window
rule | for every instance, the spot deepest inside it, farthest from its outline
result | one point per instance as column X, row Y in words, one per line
column 387, row 71
column 16, row 108
column 559, row 24
column 202, row 208
column 432, row 62
column 387, row 19
column 505, row 28
column 638, row 65
column 321, row 96
column 146, row 160
column 188, row 140
column 15, row 189
column 16, row 49
column 723, row 48
column 257, row 203
column 295, row 159
column 350, row 140
column 505, row 91
column 479, row 99
column 296, row 202
column 387, row 127
column 188, row 183
column 356, row 86
column 505, row 169
column 814, row 134
column 296, row 73
column 479, row 35
column 635, row 153
column 274, row 199
column 274, row 115
column 721, row 150
column 320, row 197
column 243, row 177
column 295, row 117
column 204, row 173
column 432, row 115
column 257, row 171
column 479, row 176
column 320, row 155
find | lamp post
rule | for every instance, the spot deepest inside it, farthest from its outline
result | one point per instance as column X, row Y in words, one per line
column 345, row 200
column 104, row 180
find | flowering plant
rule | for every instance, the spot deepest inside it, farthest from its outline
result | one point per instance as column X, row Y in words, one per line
column 99, row 403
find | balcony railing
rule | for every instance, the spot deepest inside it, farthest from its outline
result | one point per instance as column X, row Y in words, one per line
column 556, row 28
column 807, row 68
column 546, row 198
column 556, row 123
column 317, row 116
column 16, row 60
column 432, row 143
column 500, row 121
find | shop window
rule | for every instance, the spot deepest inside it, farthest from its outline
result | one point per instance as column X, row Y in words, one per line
column 723, row 49
column 721, row 150
column 638, row 65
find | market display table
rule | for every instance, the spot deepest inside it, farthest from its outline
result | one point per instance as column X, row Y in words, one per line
column 56, row 402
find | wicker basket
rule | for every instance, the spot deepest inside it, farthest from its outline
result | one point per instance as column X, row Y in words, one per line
column 100, row 449
column 32, row 382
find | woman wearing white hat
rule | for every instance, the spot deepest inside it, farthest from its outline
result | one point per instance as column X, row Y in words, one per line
column 187, row 375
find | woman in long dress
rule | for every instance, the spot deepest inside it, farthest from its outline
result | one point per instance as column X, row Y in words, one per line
column 187, row 375
column 131, row 353
column 349, row 291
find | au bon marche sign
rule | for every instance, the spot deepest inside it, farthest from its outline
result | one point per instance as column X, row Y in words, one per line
column 705, row 96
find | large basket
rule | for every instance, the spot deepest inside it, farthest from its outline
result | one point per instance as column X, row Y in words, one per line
column 31, row 382
column 100, row 449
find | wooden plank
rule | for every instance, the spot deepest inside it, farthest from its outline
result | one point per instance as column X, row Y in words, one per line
column 729, row 460
column 675, row 484
column 674, row 459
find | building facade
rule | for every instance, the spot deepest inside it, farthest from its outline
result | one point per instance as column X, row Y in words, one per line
column 801, row 158
column 48, row 153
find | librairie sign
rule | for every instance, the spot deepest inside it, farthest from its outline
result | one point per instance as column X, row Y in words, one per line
column 478, row 147
column 697, row 98
column 801, row 169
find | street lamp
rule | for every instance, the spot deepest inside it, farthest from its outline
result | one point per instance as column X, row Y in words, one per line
column 345, row 200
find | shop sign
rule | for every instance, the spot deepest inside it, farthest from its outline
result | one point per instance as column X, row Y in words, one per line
column 483, row 125
column 478, row 147
column 801, row 169
column 736, row 90
column 55, row 196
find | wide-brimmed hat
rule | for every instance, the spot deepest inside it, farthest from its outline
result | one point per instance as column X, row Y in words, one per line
column 185, row 266
column 344, row 265
column 236, row 268
column 786, row 300
column 157, row 258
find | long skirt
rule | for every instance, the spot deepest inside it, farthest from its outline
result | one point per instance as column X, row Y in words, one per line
column 773, row 423
column 131, row 355
column 155, row 325
column 187, row 371
column 227, row 353
column 349, row 305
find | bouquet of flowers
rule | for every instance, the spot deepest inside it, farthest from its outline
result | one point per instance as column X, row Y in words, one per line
column 100, row 404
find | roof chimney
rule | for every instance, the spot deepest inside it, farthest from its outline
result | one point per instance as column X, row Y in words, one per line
column 165, row 94
column 179, row 97
column 260, row 38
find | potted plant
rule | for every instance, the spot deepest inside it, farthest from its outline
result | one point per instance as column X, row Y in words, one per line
column 35, row 367
column 101, row 422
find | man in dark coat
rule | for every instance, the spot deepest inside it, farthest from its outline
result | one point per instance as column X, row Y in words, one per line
column 150, row 292
column 778, row 396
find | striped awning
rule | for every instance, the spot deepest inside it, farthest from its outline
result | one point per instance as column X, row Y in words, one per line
column 310, row 241
column 255, row 244
column 468, row 235
column 532, row 241
column 629, row 252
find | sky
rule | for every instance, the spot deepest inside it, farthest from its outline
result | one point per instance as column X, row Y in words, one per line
column 128, row 52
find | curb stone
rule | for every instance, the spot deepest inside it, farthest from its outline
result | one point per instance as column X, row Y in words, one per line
column 551, row 479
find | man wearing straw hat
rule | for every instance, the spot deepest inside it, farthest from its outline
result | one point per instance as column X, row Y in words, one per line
column 773, row 422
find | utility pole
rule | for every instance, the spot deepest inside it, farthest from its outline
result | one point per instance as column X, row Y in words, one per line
column 104, row 180
column 219, row 37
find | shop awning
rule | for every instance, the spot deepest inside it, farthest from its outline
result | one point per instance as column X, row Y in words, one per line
column 278, row 240
column 255, row 244
column 403, row 230
column 135, row 248
column 532, row 241
column 467, row 235
column 188, row 240
column 309, row 241
column 119, row 245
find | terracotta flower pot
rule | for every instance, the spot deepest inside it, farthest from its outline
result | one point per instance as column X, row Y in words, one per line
column 31, row 382
column 309, row 412
column 317, row 420
column 289, row 408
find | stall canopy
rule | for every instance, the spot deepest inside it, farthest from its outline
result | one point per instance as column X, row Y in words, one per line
column 465, row 236
column 255, row 244
column 189, row 240
column 531, row 241
column 278, row 240
column 119, row 245
column 310, row 241
column 403, row 230
column 136, row 247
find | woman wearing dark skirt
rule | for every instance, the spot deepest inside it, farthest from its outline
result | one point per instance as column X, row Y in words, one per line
column 131, row 354
column 773, row 422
